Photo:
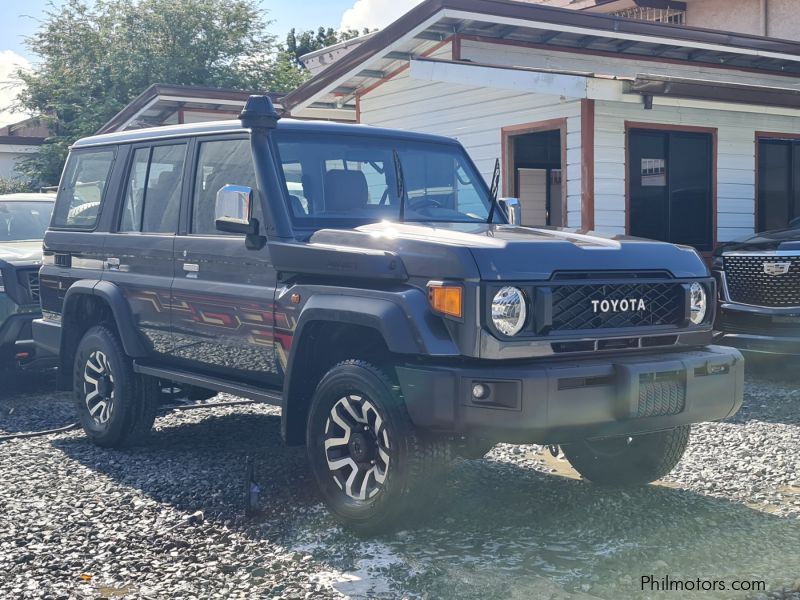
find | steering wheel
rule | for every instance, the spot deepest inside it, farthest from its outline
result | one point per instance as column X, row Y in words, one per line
column 425, row 203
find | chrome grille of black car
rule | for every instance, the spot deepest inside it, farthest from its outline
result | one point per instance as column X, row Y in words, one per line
column 749, row 283
column 573, row 309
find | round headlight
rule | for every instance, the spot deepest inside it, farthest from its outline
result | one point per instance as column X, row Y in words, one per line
column 509, row 310
column 697, row 303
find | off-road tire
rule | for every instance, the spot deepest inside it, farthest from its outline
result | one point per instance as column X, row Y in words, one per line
column 644, row 459
column 414, row 457
column 472, row 448
column 136, row 397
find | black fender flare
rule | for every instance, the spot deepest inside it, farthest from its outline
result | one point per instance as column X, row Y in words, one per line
column 401, row 319
column 112, row 295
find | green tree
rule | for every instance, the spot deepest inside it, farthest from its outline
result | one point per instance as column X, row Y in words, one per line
column 300, row 43
column 14, row 186
column 95, row 58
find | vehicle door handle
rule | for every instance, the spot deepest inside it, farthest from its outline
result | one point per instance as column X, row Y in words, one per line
column 191, row 269
column 113, row 264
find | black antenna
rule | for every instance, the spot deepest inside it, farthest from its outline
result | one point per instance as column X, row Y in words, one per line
column 495, row 187
column 401, row 187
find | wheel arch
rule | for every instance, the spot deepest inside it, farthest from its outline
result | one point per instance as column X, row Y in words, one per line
column 89, row 303
column 336, row 328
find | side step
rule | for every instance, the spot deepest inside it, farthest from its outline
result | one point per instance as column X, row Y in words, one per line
column 268, row 396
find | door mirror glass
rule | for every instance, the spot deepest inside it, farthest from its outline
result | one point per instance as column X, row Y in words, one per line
column 512, row 208
column 233, row 210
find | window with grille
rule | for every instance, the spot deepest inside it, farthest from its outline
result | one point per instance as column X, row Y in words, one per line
column 659, row 15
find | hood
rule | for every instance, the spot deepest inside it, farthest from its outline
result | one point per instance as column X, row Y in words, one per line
column 778, row 239
column 511, row 253
column 21, row 253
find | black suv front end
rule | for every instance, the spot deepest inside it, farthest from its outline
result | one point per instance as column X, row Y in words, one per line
column 19, row 306
column 759, row 284
column 23, row 219
column 585, row 363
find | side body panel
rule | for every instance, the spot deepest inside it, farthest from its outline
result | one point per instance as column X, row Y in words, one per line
column 223, row 308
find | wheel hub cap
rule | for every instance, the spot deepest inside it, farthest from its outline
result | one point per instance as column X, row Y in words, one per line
column 361, row 447
column 357, row 447
column 98, row 387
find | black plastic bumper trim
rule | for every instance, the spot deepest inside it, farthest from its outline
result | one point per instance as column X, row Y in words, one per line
column 553, row 409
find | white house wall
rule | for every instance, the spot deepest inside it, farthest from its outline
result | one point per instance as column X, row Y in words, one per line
column 10, row 157
column 736, row 162
column 475, row 116
column 736, row 130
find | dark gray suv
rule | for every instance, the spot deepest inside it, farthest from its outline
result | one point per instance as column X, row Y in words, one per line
column 368, row 282
column 23, row 220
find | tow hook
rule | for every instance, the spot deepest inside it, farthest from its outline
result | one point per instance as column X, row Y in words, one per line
column 553, row 450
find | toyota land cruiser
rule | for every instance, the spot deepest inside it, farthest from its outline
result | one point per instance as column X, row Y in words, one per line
column 368, row 282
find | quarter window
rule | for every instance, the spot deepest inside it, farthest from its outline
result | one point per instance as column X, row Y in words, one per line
column 82, row 189
column 220, row 163
column 153, row 190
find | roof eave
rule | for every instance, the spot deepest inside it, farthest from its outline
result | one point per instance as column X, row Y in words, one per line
column 507, row 9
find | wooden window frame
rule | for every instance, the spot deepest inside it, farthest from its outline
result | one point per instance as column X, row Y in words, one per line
column 713, row 131
column 765, row 135
column 507, row 154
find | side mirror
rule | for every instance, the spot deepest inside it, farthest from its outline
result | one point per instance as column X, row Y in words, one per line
column 233, row 210
column 512, row 208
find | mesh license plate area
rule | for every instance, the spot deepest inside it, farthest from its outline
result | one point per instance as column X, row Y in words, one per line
column 661, row 395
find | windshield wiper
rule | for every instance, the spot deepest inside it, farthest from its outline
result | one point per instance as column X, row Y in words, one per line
column 495, row 187
column 401, row 187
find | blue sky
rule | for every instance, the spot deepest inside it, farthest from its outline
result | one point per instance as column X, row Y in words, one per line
column 18, row 18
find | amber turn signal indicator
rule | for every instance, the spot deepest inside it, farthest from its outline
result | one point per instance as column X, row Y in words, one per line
column 446, row 299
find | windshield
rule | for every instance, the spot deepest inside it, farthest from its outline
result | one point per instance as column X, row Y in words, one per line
column 24, row 220
column 350, row 180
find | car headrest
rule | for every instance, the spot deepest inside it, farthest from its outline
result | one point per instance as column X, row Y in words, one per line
column 345, row 191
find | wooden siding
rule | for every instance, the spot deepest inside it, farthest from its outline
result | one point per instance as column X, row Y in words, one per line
column 736, row 165
column 475, row 116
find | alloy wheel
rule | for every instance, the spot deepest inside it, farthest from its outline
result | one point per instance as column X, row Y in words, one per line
column 357, row 447
column 98, row 387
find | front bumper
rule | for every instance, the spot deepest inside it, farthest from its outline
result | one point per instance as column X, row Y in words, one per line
column 559, row 401
column 16, row 337
column 759, row 329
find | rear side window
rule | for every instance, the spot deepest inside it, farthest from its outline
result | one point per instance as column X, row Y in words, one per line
column 81, row 193
column 153, row 190
column 219, row 163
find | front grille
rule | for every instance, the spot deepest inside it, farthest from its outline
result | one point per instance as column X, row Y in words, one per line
column 574, row 309
column 661, row 395
column 749, row 283
column 33, row 286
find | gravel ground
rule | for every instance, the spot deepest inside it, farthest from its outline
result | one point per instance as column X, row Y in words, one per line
column 167, row 520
